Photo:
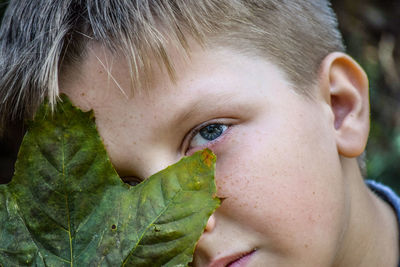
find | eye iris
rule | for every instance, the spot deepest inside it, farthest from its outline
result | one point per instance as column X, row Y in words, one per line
column 211, row 132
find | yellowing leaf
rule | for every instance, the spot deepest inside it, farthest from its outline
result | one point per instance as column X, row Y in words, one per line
column 66, row 205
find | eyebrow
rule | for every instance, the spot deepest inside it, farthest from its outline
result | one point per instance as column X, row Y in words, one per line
column 194, row 107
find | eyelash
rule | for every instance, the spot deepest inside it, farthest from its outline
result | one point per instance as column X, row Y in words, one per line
column 132, row 182
column 197, row 130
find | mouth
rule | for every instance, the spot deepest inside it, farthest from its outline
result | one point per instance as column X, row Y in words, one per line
column 236, row 260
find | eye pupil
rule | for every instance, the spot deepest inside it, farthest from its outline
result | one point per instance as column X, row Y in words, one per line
column 211, row 132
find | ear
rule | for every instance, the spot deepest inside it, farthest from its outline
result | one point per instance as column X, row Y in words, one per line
column 344, row 86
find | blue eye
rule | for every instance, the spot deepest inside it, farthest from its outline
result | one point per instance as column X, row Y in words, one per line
column 207, row 134
column 212, row 131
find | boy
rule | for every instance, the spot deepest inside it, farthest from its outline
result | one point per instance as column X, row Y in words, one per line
column 264, row 84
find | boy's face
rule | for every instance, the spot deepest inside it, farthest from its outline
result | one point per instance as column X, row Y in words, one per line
column 277, row 163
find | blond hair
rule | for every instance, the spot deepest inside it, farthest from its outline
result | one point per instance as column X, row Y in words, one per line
column 41, row 39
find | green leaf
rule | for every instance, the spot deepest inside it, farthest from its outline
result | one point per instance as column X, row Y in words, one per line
column 66, row 205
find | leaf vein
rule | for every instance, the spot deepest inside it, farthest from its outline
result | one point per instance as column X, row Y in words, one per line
column 30, row 234
column 48, row 159
column 177, row 219
column 66, row 201
column 151, row 223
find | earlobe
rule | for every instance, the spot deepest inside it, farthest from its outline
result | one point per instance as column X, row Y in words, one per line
column 345, row 87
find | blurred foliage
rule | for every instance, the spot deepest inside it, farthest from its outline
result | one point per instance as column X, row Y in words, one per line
column 371, row 33
column 371, row 30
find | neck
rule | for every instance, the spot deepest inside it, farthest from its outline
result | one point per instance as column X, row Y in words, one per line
column 371, row 237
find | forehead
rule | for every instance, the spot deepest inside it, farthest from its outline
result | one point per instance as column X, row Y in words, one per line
column 103, row 73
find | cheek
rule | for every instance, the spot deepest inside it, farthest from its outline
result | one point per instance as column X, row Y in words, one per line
column 283, row 185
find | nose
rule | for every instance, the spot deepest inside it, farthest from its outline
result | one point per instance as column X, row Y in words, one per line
column 210, row 224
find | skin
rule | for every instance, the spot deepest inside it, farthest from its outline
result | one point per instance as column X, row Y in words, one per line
column 285, row 163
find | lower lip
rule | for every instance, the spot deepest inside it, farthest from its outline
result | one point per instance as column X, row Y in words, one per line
column 241, row 262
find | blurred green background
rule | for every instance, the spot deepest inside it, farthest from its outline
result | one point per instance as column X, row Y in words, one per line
column 371, row 31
